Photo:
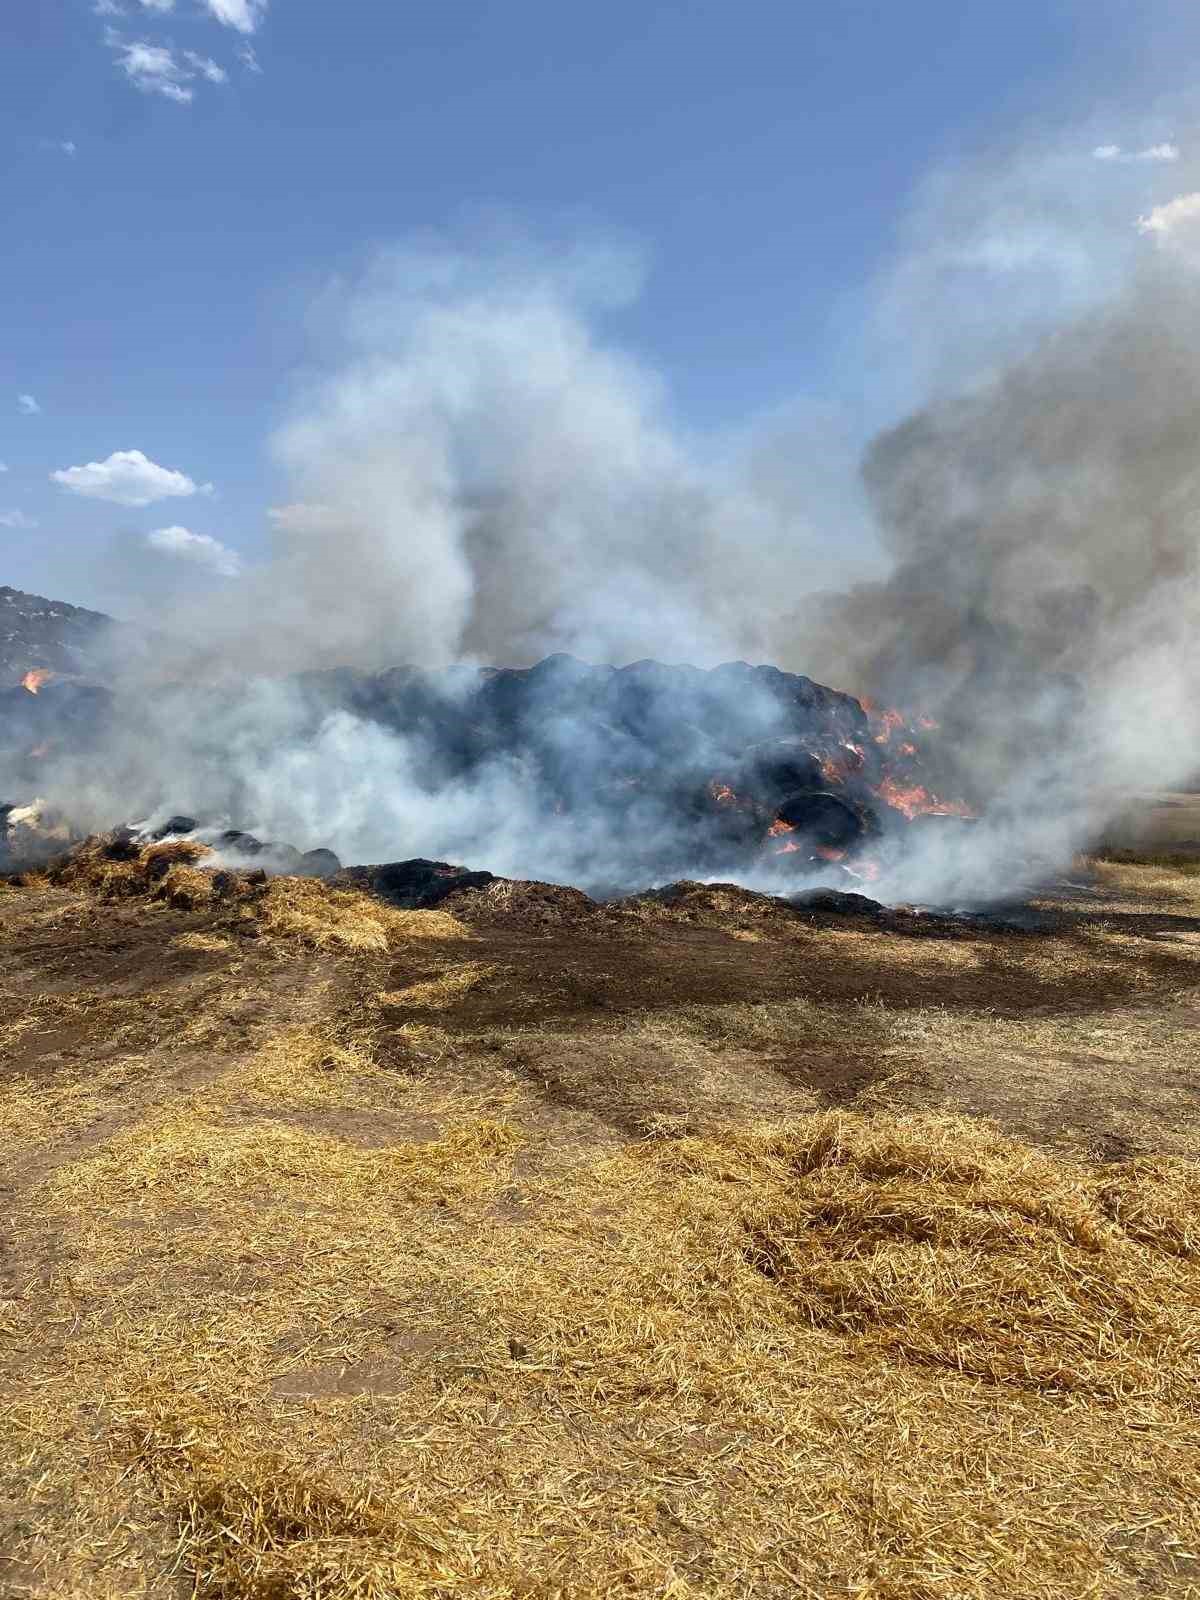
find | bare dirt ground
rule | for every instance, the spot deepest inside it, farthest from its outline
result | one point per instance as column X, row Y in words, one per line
column 694, row 1246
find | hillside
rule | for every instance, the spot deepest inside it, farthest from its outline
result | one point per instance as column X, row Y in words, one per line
column 36, row 632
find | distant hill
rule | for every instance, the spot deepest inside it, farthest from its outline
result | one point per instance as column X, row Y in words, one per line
column 36, row 632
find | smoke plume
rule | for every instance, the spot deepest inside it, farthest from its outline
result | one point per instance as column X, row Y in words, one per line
column 483, row 475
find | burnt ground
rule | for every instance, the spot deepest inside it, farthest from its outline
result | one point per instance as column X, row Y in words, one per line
column 191, row 1103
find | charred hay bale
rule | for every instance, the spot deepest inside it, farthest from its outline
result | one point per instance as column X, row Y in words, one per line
column 835, row 900
column 174, row 826
column 416, row 885
column 828, row 821
column 235, row 842
column 320, row 863
column 781, row 767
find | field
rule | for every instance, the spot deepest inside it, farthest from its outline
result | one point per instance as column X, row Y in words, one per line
column 687, row 1247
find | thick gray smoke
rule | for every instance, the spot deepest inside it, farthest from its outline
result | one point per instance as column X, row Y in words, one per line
column 1045, row 598
column 486, row 477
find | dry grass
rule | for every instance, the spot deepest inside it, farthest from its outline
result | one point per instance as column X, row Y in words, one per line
column 875, row 1357
column 313, row 1326
column 1153, row 879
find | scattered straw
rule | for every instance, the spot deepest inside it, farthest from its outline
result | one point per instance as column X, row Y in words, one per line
column 203, row 943
column 437, row 994
column 325, row 918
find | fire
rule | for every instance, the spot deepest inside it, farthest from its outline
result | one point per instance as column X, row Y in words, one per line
column 867, row 871
column 780, row 826
column 836, row 769
column 828, row 853
column 35, row 678
column 722, row 794
column 914, row 801
column 887, row 723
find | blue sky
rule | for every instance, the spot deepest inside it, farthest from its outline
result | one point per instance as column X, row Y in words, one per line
column 185, row 179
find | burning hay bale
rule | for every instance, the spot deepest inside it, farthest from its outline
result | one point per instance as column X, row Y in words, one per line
column 621, row 776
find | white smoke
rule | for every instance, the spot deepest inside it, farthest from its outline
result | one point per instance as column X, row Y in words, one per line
column 481, row 473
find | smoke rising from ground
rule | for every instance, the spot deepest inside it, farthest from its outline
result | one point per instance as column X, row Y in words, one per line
column 485, row 476
column 1046, row 584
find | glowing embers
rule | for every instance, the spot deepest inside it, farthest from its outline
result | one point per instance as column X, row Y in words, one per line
column 36, row 678
column 901, row 786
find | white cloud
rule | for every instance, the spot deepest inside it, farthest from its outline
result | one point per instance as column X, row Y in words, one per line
column 206, row 67
column 108, row 8
column 157, row 69
column 1165, row 221
column 67, row 146
column 158, row 5
column 3, row 466
column 1154, row 152
column 244, row 15
column 27, row 405
column 248, row 58
column 152, row 68
column 199, row 548
column 128, row 478
column 16, row 519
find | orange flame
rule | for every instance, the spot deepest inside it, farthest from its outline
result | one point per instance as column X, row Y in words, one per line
column 914, row 801
column 722, row 794
column 868, row 871
column 35, row 678
column 888, row 722
column 780, row 826
column 828, row 853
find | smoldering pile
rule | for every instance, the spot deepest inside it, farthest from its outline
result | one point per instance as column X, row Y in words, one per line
column 612, row 777
column 37, row 835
